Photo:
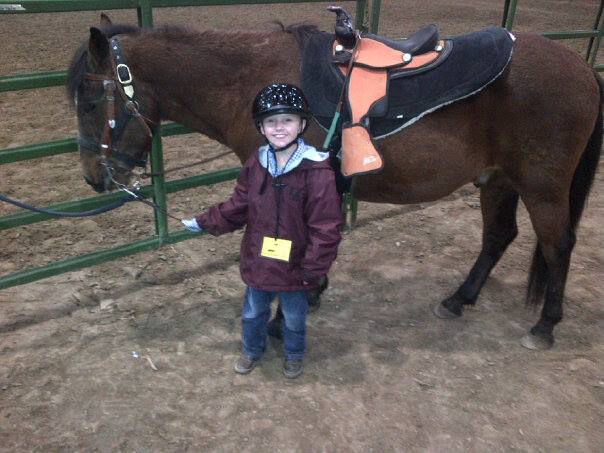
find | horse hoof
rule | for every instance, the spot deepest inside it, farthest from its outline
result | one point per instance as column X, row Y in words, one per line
column 536, row 342
column 443, row 312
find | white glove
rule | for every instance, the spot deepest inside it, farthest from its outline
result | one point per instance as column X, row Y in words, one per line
column 191, row 225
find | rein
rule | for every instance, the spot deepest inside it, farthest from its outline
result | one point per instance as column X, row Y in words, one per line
column 200, row 162
column 132, row 192
column 54, row 213
column 338, row 112
column 131, row 195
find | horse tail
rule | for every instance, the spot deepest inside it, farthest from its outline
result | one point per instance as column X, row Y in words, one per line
column 579, row 191
column 586, row 170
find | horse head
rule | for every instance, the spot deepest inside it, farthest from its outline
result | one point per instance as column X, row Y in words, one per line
column 116, row 112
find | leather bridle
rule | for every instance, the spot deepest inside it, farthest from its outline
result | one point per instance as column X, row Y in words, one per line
column 119, row 81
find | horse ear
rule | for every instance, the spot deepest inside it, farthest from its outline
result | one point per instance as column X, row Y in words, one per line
column 105, row 21
column 98, row 46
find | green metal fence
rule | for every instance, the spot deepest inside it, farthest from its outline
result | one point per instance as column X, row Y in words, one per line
column 509, row 14
column 594, row 35
column 159, row 187
column 366, row 18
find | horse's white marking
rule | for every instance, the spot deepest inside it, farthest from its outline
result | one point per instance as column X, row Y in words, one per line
column 369, row 159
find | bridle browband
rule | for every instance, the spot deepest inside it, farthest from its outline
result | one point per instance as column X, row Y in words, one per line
column 119, row 81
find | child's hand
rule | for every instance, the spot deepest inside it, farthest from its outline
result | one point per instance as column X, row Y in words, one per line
column 191, row 225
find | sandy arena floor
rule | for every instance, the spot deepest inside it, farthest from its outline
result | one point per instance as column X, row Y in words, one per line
column 382, row 373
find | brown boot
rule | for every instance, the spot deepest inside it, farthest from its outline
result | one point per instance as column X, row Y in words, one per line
column 292, row 368
column 245, row 364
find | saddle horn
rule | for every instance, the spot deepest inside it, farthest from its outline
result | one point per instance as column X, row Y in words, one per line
column 344, row 29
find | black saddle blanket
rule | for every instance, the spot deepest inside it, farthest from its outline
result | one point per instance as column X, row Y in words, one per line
column 476, row 60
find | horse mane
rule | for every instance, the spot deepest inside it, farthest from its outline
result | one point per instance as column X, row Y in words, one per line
column 77, row 68
column 175, row 32
column 301, row 32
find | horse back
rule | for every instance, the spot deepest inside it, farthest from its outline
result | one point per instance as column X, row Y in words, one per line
column 548, row 71
column 538, row 115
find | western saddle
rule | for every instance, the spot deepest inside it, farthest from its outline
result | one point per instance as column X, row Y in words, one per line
column 368, row 63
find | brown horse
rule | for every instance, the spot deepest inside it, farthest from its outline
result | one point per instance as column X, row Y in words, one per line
column 536, row 132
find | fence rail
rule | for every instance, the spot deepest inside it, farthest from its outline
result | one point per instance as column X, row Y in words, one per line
column 366, row 19
column 158, row 188
column 63, row 6
column 594, row 35
column 69, row 145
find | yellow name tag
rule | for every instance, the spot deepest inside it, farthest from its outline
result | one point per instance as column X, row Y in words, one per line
column 278, row 249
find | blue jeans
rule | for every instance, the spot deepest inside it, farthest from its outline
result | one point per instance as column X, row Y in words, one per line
column 256, row 314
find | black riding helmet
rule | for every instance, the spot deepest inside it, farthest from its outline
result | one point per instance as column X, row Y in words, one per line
column 280, row 98
column 275, row 99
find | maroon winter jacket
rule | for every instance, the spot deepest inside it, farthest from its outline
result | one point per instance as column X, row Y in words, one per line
column 309, row 216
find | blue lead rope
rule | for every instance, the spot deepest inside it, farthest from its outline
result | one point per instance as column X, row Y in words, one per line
column 51, row 212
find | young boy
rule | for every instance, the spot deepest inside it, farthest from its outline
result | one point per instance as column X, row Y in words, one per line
column 286, row 195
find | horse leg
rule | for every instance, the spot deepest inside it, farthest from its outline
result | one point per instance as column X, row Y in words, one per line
column 275, row 325
column 498, row 202
column 555, row 219
column 549, row 269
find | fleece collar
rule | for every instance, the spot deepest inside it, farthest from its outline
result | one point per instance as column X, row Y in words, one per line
column 304, row 151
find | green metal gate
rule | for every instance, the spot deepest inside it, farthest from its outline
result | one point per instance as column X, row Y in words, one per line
column 594, row 35
column 509, row 14
column 158, row 188
column 366, row 18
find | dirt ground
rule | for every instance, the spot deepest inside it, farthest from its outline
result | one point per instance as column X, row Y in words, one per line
column 382, row 373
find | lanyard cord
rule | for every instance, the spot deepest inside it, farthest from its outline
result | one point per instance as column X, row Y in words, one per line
column 278, row 185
